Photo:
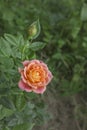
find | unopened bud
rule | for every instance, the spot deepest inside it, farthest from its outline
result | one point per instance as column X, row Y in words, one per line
column 34, row 30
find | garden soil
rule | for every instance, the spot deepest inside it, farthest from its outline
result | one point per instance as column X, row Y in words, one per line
column 65, row 112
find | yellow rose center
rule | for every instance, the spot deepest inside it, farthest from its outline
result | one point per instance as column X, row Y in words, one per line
column 35, row 76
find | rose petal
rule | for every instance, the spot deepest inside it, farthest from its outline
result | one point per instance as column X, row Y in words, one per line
column 24, row 86
column 21, row 71
column 25, row 63
column 50, row 75
column 35, row 61
column 40, row 90
column 49, row 78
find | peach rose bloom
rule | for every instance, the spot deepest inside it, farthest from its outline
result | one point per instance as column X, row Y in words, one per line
column 35, row 76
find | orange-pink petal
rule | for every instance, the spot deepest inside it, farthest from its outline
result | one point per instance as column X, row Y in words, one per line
column 25, row 63
column 24, row 86
column 40, row 90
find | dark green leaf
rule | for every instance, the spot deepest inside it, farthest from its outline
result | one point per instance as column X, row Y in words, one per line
column 4, row 112
column 10, row 39
column 35, row 46
column 3, row 91
column 6, row 102
column 5, row 48
column 7, row 62
column 12, row 121
column 57, row 56
column 20, row 102
column 84, row 13
column 25, row 126
column 20, row 40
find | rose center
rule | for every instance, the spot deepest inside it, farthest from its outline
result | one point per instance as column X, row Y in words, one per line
column 34, row 76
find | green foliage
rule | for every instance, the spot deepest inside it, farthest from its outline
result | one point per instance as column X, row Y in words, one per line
column 6, row 102
column 4, row 112
column 84, row 12
column 16, row 109
column 35, row 46
column 64, row 29
column 25, row 126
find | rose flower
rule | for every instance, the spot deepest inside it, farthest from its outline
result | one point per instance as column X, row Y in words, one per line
column 35, row 76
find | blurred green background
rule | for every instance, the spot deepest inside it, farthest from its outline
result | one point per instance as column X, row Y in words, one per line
column 63, row 28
